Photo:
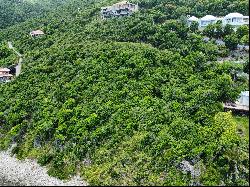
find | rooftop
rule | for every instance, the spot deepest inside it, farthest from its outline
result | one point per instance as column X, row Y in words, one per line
column 119, row 9
column 37, row 32
column 193, row 18
column 208, row 17
column 235, row 106
column 4, row 69
column 234, row 15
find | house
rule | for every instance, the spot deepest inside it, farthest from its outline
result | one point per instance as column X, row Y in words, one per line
column 5, row 75
column 241, row 106
column 4, row 71
column 36, row 33
column 246, row 20
column 192, row 19
column 206, row 20
column 243, row 99
column 235, row 19
column 120, row 9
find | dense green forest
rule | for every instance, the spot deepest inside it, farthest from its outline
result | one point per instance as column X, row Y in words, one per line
column 16, row 11
column 125, row 101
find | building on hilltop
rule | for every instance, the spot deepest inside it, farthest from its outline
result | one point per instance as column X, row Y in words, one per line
column 243, row 99
column 235, row 19
column 192, row 19
column 240, row 106
column 36, row 33
column 246, row 20
column 120, row 9
column 206, row 20
column 5, row 75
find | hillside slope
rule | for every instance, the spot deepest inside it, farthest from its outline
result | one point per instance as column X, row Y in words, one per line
column 124, row 101
column 16, row 11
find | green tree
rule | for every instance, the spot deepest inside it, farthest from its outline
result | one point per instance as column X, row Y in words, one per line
column 228, row 30
column 194, row 26
column 218, row 30
column 126, row 99
column 242, row 31
column 4, row 51
column 209, row 31
column 231, row 41
column 245, row 39
column 246, row 67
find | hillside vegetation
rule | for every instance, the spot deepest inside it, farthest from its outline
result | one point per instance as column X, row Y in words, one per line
column 16, row 11
column 125, row 101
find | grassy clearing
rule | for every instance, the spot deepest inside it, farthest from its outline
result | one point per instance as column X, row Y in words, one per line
column 243, row 125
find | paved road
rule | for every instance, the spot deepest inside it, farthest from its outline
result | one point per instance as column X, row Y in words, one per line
column 19, row 65
column 11, row 47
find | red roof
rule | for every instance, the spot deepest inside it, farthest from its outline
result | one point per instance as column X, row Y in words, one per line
column 4, row 70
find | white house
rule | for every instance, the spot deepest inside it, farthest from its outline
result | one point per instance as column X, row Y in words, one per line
column 236, row 19
column 192, row 19
column 246, row 20
column 206, row 20
column 36, row 33
column 123, row 8
column 243, row 99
